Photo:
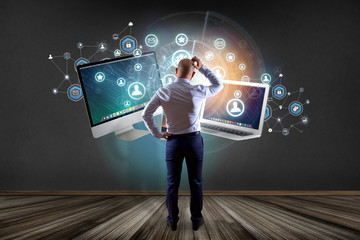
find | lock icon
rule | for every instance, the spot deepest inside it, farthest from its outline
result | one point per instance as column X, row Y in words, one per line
column 128, row 45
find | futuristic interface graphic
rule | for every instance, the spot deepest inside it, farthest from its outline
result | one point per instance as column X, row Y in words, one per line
column 223, row 46
column 284, row 105
column 126, row 45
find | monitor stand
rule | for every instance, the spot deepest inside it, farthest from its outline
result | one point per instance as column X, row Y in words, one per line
column 130, row 133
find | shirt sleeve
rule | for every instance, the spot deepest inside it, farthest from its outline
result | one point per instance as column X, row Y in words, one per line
column 147, row 116
column 216, row 84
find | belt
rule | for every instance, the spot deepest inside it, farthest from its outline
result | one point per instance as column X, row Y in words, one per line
column 186, row 134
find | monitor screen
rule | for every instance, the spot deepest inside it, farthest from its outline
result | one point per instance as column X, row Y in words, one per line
column 238, row 105
column 118, row 87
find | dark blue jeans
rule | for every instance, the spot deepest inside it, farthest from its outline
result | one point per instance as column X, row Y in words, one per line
column 192, row 149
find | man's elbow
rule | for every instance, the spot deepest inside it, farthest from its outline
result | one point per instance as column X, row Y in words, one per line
column 221, row 86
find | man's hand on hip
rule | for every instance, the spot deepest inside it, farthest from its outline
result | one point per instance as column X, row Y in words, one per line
column 165, row 135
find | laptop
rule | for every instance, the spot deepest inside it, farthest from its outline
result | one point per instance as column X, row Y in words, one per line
column 236, row 112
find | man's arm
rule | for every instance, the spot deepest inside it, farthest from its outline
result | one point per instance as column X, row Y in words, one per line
column 216, row 84
column 147, row 116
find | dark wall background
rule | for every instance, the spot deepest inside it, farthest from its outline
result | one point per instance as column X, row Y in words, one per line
column 46, row 143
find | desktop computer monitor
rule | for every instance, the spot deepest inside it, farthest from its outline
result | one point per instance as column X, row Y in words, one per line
column 116, row 91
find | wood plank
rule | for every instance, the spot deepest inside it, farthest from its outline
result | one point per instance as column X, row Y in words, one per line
column 144, row 217
column 302, row 226
column 155, row 226
column 336, row 215
column 220, row 224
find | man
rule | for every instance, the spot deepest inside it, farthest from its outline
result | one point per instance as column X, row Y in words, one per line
column 181, row 103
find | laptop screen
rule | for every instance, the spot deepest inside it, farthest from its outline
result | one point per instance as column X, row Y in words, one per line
column 238, row 105
column 119, row 87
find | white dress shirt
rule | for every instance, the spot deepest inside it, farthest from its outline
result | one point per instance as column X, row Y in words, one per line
column 181, row 103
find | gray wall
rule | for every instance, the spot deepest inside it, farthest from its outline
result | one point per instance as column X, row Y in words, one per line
column 46, row 143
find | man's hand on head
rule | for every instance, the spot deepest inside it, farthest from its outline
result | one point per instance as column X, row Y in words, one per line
column 165, row 135
column 196, row 62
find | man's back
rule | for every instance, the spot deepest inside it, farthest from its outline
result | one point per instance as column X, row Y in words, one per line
column 181, row 103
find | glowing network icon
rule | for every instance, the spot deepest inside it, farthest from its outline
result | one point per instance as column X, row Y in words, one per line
column 295, row 108
column 265, row 78
column 115, row 36
column 220, row 43
column 178, row 56
column 237, row 94
column 181, row 39
column 209, row 55
column 127, row 103
column 242, row 66
column 230, row 57
column 102, row 47
column 99, row 76
column 268, row 113
column 285, row 131
column 151, row 40
column 219, row 72
column 235, row 107
column 128, row 44
column 80, row 61
column 137, row 53
column 120, row 82
column 117, row 52
column 138, row 67
column 168, row 79
column 67, row 56
column 245, row 78
column 79, row 45
column 74, row 92
column 305, row 120
column 279, row 91
column 136, row 90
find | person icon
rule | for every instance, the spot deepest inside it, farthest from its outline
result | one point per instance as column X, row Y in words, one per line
column 50, row 57
column 235, row 108
column 120, row 82
column 102, row 46
column 136, row 92
column 265, row 79
column 218, row 73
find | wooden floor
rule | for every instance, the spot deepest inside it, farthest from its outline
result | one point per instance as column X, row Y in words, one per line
column 144, row 217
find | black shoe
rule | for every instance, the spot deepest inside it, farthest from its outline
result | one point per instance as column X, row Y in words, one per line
column 172, row 225
column 196, row 225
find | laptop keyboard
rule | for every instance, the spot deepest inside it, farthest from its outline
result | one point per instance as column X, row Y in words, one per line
column 224, row 129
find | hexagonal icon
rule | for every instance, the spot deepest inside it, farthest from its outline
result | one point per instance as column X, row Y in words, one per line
column 268, row 113
column 80, row 61
column 74, row 92
column 295, row 108
column 128, row 44
column 279, row 91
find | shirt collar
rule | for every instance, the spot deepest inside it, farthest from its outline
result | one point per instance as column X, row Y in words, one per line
column 182, row 80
